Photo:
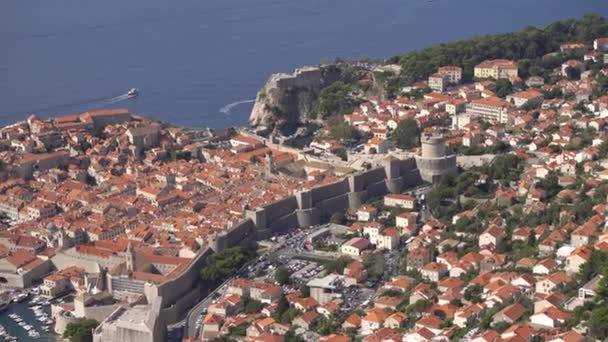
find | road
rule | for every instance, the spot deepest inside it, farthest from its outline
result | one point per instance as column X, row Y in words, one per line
column 195, row 314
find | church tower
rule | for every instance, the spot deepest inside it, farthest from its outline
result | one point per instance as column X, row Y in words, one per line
column 130, row 256
column 269, row 165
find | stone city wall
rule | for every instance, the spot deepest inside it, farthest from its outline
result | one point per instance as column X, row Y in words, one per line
column 301, row 78
column 314, row 206
column 433, row 168
column 171, row 290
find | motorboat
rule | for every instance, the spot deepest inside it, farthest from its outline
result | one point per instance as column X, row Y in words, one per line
column 21, row 297
column 133, row 92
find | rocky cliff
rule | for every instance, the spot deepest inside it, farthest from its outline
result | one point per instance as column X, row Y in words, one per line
column 288, row 100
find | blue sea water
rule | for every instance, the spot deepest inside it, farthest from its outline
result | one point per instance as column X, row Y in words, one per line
column 194, row 59
column 24, row 310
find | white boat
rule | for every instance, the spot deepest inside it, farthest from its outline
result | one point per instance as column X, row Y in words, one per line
column 133, row 92
column 21, row 297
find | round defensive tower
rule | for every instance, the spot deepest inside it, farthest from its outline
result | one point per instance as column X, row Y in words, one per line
column 434, row 162
column 433, row 145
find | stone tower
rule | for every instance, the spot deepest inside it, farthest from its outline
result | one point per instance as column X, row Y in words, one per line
column 269, row 165
column 435, row 161
column 130, row 257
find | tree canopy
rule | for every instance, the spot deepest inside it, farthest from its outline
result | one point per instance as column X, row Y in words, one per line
column 281, row 275
column 407, row 134
column 81, row 330
column 529, row 46
column 336, row 99
column 225, row 263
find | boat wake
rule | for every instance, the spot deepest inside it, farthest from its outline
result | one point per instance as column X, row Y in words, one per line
column 89, row 104
column 227, row 108
column 116, row 99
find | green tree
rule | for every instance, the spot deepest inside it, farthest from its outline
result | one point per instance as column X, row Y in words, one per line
column 501, row 326
column 281, row 275
column 532, row 238
column 337, row 265
column 291, row 336
column 417, row 308
column 342, row 132
column 473, row 293
column 602, row 286
column 503, row 87
column 80, row 330
column 597, row 325
column 336, row 99
column 225, row 263
column 304, row 290
column 251, row 305
column 573, row 73
column 327, row 326
column 407, row 134
column 375, row 265
column 529, row 46
column 342, row 154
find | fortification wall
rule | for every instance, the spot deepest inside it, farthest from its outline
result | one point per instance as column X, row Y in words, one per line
column 411, row 178
column 284, row 223
column 357, row 199
column 171, row 290
column 309, row 217
column 99, row 313
column 376, row 189
column 431, row 169
column 176, row 311
column 315, row 206
column 280, row 208
column 332, row 205
column 323, row 192
column 361, row 181
column 232, row 236
column 303, row 77
column 62, row 321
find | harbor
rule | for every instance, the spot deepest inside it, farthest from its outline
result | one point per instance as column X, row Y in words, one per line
column 26, row 317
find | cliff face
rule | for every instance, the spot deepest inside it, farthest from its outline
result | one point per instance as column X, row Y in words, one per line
column 291, row 99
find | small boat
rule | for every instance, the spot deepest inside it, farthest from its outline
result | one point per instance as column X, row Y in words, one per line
column 133, row 92
column 21, row 297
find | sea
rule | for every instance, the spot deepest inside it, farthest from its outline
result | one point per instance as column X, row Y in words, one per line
column 24, row 310
column 201, row 62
